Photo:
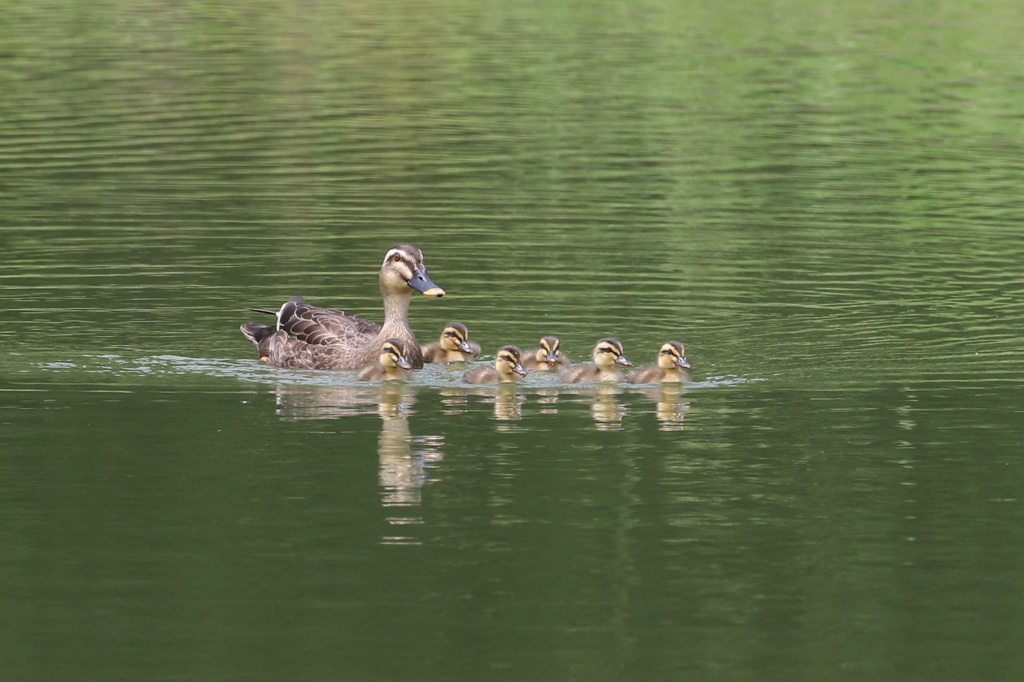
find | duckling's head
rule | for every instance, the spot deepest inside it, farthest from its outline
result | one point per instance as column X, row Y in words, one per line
column 549, row 350
column 403, row 269
column 672, row 356
column 608, row 352
column 455, row 337
column 508, row 363
column 392, row 354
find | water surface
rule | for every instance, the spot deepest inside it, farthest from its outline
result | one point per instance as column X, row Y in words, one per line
column 820, row 202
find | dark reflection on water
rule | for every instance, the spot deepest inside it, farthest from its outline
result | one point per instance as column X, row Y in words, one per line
column 408, row 462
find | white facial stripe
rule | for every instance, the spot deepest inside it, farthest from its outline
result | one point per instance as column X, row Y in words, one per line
column 409, row 265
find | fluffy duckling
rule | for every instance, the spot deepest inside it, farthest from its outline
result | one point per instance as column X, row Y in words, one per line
column 607, row 354
column 670, row 367
column 548, row 356
column 391, row 365
column 453, row 346
column 507, row 368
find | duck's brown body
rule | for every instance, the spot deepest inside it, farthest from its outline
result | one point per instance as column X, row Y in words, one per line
column 309, row 337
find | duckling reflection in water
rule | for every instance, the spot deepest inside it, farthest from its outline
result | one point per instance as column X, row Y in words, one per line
column 670, row 367
column 548, row 356
column 391, row 365
column 607, row 354
column 507, row 368
column 453, row 346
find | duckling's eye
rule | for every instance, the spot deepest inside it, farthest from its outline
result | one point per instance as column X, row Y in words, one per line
column 397, row 258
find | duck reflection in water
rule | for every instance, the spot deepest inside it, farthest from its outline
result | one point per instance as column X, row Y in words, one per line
column 670, row 407
column 505, row 397
column 405, row 460
column 607, row 410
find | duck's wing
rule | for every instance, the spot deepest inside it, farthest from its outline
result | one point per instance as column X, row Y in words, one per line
column 278, row 348
column 324, row 326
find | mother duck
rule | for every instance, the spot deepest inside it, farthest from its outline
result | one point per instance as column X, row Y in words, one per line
column 308, row 337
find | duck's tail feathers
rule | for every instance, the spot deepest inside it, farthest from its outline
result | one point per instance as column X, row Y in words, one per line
column 256, row 332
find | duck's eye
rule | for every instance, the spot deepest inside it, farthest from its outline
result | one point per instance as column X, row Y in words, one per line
column 397, row 258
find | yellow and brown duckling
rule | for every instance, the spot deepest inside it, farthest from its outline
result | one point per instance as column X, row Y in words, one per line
column 548, row 355
column 391, row 365
column 671, row 366
column 507, row 368
column 607, row 354
column 453, row 346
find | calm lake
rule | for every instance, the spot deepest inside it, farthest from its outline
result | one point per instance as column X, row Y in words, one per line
column 821, row 200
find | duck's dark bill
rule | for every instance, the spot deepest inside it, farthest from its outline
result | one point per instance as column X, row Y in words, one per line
column 421, row 283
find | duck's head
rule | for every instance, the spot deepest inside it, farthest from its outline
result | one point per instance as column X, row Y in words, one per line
column 456, row 337
column 672, row 356
column 403, row 269
column 508, row 363
column 608, row 352
column 392, row 354
column 549, row 350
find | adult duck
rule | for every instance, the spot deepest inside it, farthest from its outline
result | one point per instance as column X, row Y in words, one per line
column 309, row 337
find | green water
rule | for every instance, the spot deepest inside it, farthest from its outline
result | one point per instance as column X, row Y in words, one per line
column 821, row 201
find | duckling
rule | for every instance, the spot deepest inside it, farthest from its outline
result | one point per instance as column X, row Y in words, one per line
column 391, row 365
column 607, row 354
column 669, row 368
column 547, row 356
column 453, row 346
column 507, row 368
column 308, row 337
